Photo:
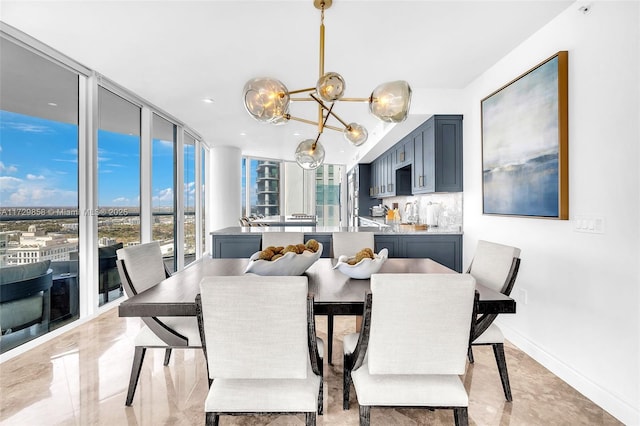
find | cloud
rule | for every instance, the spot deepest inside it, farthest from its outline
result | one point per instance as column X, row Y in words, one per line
column 66, row 161
column 9, row 182
column 7, row 169
column 121, row 200
column 27, row 128
column 34, row 177
column 34, row 196
column 164, row 195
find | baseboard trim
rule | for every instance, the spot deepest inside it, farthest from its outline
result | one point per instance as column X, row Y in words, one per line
column 609, row 402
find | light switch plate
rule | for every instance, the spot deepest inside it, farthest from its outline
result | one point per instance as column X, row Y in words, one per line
column 589, row 224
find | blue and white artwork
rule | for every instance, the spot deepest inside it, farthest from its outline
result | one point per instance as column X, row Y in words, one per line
column 520, row 145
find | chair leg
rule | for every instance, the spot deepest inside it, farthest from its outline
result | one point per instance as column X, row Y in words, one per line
column 321, row 397
column 365, row 415
column 329, row 337
column 498, row 351
column 167, row 356
column 138, row 357
column 310, row 419
column 461, row 416
column 211, row 419
column 470, row 354
column 346, row 382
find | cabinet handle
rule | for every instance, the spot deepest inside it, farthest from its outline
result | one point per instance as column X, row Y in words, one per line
column 420, row 181
column 390, row 187
column 402, row 157
column 370, row 191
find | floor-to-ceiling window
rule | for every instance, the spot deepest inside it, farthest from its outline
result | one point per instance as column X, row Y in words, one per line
column 39, row 210
column 272, row 188
column 118, row 186
column 65, row 133
column 189, row 198
column 163, row 154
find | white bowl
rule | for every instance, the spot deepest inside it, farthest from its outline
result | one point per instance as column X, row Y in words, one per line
column 289, row 264
column 363, row 269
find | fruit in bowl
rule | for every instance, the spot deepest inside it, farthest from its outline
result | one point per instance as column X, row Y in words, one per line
column 293, row 259
column 363, row 264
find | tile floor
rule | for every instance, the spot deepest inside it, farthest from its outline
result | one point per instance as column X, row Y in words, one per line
column 81, row 379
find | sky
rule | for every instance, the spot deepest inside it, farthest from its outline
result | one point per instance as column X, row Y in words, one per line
column 39, row 166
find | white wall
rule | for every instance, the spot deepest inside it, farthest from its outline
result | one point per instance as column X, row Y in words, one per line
column 225, row 187
column 582, row 316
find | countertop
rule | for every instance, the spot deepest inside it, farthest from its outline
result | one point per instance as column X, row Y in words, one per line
column 235, row 230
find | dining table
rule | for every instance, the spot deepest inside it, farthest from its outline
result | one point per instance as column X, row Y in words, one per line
column 334, row 292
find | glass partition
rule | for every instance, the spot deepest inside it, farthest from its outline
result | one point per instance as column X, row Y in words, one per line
column 118, row 187
column 163, row 148
column 39, row 210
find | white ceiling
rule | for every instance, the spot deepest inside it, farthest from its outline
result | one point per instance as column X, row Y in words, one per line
column 176, row 53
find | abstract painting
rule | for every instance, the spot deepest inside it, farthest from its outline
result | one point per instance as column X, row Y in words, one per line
column 525, row 144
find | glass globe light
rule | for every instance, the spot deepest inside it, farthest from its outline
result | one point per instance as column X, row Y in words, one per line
column 330, row 87
column 356, row 134
column 266, row 99
column 309, row 154
column 390, row 101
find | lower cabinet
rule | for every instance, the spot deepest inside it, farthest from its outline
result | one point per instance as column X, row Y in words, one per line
column 235, row 246
column 445, row 249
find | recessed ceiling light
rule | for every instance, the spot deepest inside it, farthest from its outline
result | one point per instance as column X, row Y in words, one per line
column 208, row 100
column 52, row 104
column 243, row 134
column 296, row 134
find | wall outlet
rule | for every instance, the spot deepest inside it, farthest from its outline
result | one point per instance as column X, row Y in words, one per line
column 589, row 224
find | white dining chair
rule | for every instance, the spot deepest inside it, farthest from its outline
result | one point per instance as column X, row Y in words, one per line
column 281, row 239
column 396, row 364
column 259, row 340
column 494, row 266
column 346, row 244
column 141, row 267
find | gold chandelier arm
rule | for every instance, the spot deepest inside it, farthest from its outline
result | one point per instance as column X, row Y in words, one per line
column 301, row 99
column 310, row 89
column 314, row 123
column 322, row 105
column 355, row 99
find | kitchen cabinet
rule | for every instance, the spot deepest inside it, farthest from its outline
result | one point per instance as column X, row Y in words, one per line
column 383, row 177
column 443, row 248
column 403, row 153
column 437, row 155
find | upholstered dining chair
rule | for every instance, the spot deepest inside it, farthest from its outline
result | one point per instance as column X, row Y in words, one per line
column 259, row 340
column 349, row 243
column 141, row 267
column 277, row 239
column 495, row 266
column 346, row 244
column 395, row 363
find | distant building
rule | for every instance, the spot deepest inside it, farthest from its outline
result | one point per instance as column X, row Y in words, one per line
column 35, row 246
column 268, row 188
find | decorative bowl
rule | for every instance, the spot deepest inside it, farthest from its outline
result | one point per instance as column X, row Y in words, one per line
column 363, row 269
column 289, row 264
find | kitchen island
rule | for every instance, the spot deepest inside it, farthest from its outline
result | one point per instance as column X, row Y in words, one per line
column 442, row 245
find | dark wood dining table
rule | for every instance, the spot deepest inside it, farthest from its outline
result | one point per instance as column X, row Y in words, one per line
column 334, row 292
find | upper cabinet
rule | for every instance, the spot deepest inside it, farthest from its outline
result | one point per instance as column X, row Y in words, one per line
column 403, row 153
column 383, row 177
column 437, row 155
column 429, row 159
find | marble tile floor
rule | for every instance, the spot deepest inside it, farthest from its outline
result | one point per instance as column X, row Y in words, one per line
column 81, row 379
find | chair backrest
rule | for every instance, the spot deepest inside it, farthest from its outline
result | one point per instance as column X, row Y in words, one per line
column 349, row 243
column 143, row 264
column 255, row 327
column 281, row 239
column 420, row 323
column 492, row 264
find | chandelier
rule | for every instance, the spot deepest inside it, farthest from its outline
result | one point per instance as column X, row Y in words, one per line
column 267, row 100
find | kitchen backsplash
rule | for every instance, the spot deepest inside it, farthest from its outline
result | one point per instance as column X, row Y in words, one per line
column 445, row 209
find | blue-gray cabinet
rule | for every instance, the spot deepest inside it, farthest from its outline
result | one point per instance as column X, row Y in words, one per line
column 437, row 155
column 443, row 248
